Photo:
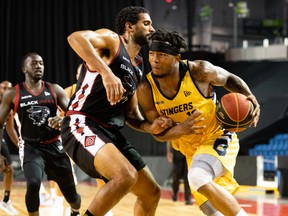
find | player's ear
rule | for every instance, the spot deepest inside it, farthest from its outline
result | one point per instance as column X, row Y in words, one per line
column 178, row 57
column 128, row 26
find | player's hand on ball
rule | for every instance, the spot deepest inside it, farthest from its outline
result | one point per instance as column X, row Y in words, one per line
column 256, row 112
column 191, row 126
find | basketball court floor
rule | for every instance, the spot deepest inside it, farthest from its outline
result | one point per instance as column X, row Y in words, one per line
column 256, row 201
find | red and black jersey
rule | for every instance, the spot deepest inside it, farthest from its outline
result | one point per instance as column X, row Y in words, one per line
column 90, row 98
column 33, row 112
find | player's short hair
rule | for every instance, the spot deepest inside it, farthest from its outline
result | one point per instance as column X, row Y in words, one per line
column 27, row 56
column 171, row 37
column 128, row 14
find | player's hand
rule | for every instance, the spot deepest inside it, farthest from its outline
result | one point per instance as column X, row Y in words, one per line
column 114, row 88
column 256, row 112
column 190, row 125
column 3, row 163
column 55, row 122
column 160, row 124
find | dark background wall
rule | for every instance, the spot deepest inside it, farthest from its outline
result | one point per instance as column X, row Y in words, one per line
column 43, row 26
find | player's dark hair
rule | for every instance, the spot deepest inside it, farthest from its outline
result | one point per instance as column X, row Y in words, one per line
column 172, row 37
column 128, row 14
column 27, row 56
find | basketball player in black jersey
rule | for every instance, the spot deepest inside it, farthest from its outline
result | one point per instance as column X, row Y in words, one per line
column 104, row 100
column 34, row 103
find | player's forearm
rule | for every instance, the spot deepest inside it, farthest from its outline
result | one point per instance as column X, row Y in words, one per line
column 172, row 133
column 139, row 124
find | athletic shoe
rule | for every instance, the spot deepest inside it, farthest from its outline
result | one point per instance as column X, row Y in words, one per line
column 68, row 212
column 8, row 208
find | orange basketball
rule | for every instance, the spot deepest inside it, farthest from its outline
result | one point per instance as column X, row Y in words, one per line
column 234, row 112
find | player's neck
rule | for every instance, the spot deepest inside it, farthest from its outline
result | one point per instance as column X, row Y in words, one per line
column 33, row 85
column 132, row 48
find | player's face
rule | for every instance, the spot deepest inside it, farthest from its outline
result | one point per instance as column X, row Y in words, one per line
column 162, row 64
column 4, row 86
column 34, row 67
column 143, row 30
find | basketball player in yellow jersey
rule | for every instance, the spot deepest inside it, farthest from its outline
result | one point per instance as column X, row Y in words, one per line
column 183, row 91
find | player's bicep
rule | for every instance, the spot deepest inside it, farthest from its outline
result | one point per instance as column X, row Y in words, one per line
column 147, row 106
column 62, row 99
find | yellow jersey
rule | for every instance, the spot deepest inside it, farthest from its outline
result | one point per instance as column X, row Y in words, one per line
column 187, row 100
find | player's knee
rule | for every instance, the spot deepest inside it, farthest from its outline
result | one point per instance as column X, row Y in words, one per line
column 198, row 177
column 33, row 184
column 77, row 204
column 155, row 194
column 127, row 178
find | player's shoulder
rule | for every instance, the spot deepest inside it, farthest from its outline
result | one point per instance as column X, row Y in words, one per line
column 10, row 93
column 107, row 33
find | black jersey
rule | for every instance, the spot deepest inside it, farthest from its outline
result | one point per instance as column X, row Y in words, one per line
column 90, row 98
column 33, row 112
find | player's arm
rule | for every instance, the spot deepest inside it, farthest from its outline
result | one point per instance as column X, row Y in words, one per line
column 10, row 128
column 178, row 129
column 62, row 101
column 135, row 120
column 205, row 72
column 97, row 48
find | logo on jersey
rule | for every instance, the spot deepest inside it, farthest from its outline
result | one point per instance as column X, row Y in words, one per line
column 27, row 96
column 46, row 93
column 159, row 102
column 187, row 93
column 126, row 59
column 38, row 114
column 220, row 146
column 126, row 68
column 29, row 103
column 89, row 140
column 177, row 109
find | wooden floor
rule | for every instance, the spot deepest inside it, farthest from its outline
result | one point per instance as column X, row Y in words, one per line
column 87, row 191
column 259, row 205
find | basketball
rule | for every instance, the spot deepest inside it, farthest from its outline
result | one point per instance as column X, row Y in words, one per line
column 234, row 112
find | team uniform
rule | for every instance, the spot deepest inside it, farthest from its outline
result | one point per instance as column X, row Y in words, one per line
column 91, row 121
column 217, row 142
column 41, row 149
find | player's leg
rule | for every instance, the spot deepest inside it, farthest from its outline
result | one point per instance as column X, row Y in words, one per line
column 6, row 203
column 176, row 176
column 33, row 173
column 122, row 176
column 59, row 169
column 148, row 193
column 204, row 169
column 100, row 184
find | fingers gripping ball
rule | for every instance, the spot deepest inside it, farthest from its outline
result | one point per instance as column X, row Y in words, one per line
column 234, row 112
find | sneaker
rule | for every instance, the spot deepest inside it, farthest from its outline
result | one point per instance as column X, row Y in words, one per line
column 174, row 197
column 69, row 213
column 8, row 208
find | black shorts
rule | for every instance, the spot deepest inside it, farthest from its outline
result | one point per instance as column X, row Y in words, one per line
column 5, row 152
column 82, row 138
column 52, row 158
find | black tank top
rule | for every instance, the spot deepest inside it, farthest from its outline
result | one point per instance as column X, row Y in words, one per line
column 33, row 112
column 90, row 98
